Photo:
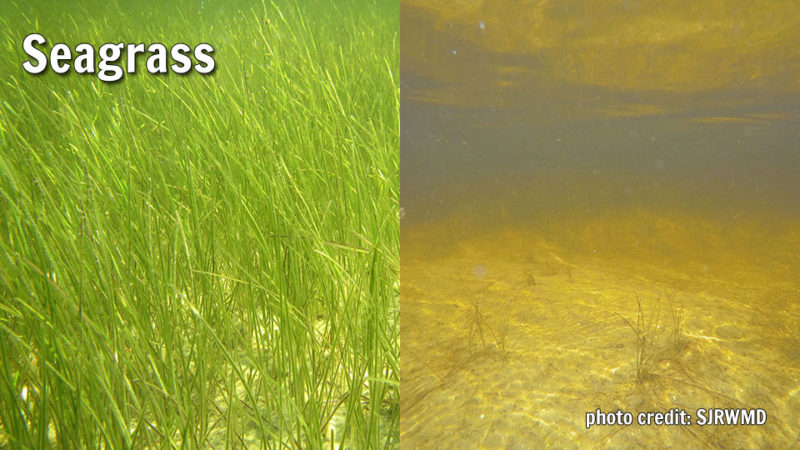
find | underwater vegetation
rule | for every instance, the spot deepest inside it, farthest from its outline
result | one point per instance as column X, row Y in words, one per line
column 653, row 340
column 201, row 261
column 484, row 337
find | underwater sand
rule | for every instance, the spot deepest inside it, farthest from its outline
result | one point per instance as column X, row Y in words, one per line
column 510, row 336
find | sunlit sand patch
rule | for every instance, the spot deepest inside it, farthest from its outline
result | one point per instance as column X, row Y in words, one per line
column 568, row 349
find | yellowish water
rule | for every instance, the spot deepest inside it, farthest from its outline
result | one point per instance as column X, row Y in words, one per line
column 601, row 212
column 511, row 334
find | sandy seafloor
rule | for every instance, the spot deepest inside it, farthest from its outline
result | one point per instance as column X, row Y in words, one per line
column 509, row 336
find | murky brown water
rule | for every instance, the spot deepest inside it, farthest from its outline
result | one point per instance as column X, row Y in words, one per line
column 602, row 210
